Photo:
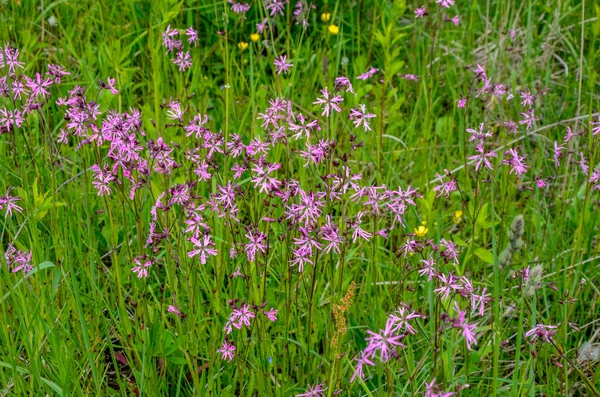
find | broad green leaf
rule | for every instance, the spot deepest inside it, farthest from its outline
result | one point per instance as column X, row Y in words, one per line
column 485, row 255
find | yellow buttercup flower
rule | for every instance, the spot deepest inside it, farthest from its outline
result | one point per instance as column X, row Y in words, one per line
column 325, row 17
column 254, row 37
column 457, row 216
column 421, row 231
column 333, row 29
column 242, row 45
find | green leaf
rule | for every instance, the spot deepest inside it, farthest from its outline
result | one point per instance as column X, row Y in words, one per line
column 41, row 266
column 459, row 241
column 484, row 255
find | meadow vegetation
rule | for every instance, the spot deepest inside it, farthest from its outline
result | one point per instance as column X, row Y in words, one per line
column 299, row 198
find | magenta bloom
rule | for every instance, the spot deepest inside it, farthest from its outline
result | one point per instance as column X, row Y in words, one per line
column 174, row 310
column 478, row 302
column 449, row 285
column 275, row 6
column 183, row 60
column 329, row 102
column 368, row 74
column 528, row 118
column 314, row 391
column 542, row 332
column 385, row 342
column 478, row 135
column 526, row 98
column 420, row 12
column 18, row 260
column 483, row 157
column 358, row 371
column 110, row 85
column 431, row 390
column 241, row 316
column 227, row 350
column 38, row 86
column 271, row 314
column 141, row 269
column 203, row 248
column 282, row 64
column 513, row 159
column 359, row 116
column 192, row 35
column 595, row 126
column 445, row 3
column 9, row 119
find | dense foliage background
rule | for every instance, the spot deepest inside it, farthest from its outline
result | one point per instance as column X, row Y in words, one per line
column 109, row 286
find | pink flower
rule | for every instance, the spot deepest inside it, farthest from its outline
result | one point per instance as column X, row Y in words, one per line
column 431, row 390
column 360, row 361
column 596, row 126
column 542, row 332
column 18, row 260
column 445, row 3
column 241, row 316
column 479, row 301
column 341, row 82
column 110, row 85
column 449, row 285
column 314, row 391
column 8, row 202
column 528, row 118
column 174, row 310
column 359, row 116
column 227, row 350
column 282, row 64
column 461, row 103
column 275, row 6
column 428, row 268
column 271, row 314
column 328, row 103
column 385, row 342
column 38, row 86
column 183, row 60
column 478, row 135
column 255, row 244
column 526, row 98
column 541, row 183
column 141, row 269
column 444, row 188
column 513, row 159
column 368, row 74
column 455, row 20
column 483, row 157
column 420, row 12
column 192, row 35
column 203, row 248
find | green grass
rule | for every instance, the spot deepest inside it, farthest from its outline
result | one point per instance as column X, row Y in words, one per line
column 81, row 323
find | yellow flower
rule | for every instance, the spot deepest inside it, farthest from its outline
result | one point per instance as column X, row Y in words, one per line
column 457, row 216
column 242, row 45
column 325, row 17
column 254, row 37
column 424, row 222
column 421, row 231
column 333, row 29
